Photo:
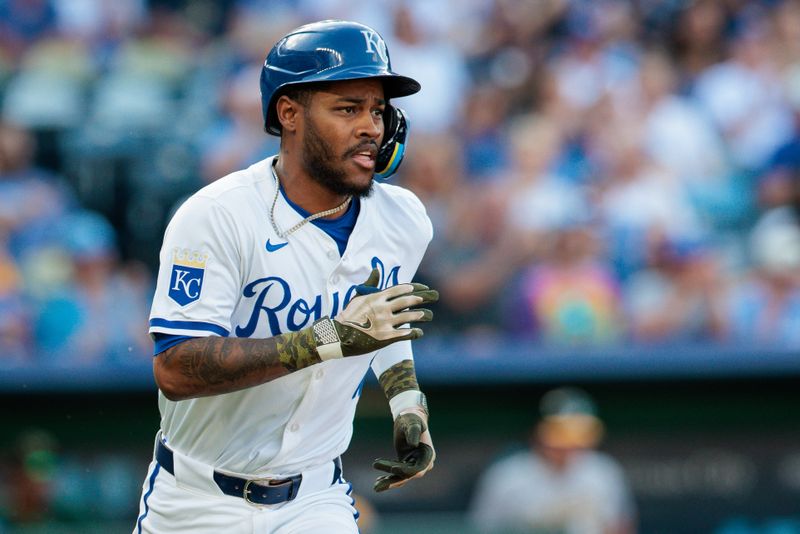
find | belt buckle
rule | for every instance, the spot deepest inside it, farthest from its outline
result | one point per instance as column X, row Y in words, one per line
column 268, row 482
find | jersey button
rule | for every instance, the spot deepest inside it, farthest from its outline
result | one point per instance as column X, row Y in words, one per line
column 319, row 374
column 294, row 428
column 335, row 279
column 332, row 255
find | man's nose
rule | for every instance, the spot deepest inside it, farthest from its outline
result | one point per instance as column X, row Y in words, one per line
column 370, row 126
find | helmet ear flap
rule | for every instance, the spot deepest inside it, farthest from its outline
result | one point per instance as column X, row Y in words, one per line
column 392, row 150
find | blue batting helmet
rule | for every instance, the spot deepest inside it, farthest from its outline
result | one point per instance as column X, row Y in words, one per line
column 330, row 50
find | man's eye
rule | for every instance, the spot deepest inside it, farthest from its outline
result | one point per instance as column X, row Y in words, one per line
column 348, row 109
column 378, row 112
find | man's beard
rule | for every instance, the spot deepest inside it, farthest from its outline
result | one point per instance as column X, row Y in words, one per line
column 317, row 162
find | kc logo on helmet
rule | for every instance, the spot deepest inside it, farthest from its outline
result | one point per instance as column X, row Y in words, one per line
column 375, row 44
column 186, row 280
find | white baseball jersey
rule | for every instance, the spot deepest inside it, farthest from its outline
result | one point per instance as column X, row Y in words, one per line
column 225, row 272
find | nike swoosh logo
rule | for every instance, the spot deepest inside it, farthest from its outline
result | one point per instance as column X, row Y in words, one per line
column 366, row 325
column 277, row 246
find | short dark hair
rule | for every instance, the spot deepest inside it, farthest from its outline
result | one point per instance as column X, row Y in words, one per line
column 302, row 92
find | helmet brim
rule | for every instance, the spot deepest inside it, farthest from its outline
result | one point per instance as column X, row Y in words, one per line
column 394, row 85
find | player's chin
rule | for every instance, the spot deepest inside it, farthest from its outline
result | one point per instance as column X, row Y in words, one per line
column 361, row 174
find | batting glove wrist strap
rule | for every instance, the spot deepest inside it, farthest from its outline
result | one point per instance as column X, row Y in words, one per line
column 410, row 401
column 329, row 345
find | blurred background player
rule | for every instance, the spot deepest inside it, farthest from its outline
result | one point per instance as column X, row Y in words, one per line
column 562, row 484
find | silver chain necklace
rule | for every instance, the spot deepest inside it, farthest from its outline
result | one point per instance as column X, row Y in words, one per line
column 284, row 235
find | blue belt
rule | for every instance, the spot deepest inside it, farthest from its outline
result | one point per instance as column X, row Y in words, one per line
column 256, row 491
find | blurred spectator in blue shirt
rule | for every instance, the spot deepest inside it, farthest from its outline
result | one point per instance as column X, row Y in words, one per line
column 744, row 96
column 31, row 199
column 101, row 316
column 677, row 298
column 636, row 197
column 482, row 131
column 764, row 308
column 540, row 198
column 679, row 135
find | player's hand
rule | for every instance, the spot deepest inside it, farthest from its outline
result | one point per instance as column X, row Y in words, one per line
column 375, row 318
column 415, row 452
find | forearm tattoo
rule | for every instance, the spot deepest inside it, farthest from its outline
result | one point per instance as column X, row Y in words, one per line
column 214, row 361
column 398, row 378
column 220, row 365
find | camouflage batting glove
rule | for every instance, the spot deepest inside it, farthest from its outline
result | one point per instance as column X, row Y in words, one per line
column 374, row 319
column 412, row 441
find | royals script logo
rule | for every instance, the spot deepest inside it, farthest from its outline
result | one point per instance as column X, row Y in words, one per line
column 273, row 299
column 186, row 280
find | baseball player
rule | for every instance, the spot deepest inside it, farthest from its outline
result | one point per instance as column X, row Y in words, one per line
column 561, row 483
column 280, row 286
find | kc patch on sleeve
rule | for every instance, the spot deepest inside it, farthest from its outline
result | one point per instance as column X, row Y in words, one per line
column 186, row 280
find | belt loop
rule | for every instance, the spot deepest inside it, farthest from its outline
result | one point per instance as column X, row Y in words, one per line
column 156, row 443
column 294, row 489
column 337, row 469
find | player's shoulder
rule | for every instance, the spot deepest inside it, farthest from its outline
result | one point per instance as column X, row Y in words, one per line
column 231, row 192
column 396, row 194
column 403, row 206
column 225, row 198
column 231, row 188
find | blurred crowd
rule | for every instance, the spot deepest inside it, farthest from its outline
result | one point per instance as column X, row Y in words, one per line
column 597, row 172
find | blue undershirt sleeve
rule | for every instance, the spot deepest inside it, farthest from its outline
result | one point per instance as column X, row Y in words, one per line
column 165, row 341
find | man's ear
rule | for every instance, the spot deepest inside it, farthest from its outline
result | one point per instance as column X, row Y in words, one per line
column 288, row 112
